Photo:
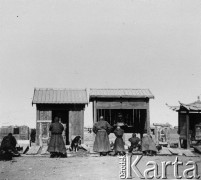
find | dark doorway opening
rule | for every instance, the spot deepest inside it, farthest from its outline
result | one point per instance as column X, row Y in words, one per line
column 64, row 119
column 135, row 119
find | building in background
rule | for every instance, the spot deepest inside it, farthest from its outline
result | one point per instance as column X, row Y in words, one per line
column 19, row 132
column 189, row 122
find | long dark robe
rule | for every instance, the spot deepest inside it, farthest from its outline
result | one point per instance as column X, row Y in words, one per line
column 102, row 143
column 119, row 143
column 56, row 143
column 148, row 144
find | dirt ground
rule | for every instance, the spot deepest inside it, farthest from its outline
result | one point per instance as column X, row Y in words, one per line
column 85, row 168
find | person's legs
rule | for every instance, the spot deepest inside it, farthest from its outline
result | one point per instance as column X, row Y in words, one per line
column 122, row 153
column 130, row 149
column 104, row 153
column 53, row 154
column 61, row 155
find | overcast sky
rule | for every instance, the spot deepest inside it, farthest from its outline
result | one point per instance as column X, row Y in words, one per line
column 153, row 44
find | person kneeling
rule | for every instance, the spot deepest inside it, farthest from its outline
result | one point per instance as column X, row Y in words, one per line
column 8, row 148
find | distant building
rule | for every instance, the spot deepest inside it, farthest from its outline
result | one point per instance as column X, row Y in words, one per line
column 20, row 132
column 189, row 122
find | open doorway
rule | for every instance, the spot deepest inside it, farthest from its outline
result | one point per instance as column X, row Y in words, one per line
column 64, row 119
column 135, row 119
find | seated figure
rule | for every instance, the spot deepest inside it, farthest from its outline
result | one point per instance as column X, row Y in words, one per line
column 135, row 145
column 148, row 145
column 8, row 147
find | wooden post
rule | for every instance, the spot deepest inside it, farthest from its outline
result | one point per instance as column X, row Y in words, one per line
column 94, row 108
column 179, row 146
column 110, row 117
column 132, row 123
column 156, row 135
column 82, row 125
column 37, row 126
column 70, row 118
column 187, row 130
column 148, row 118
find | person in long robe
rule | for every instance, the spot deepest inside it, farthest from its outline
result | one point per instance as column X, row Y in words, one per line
column 148, row 145
column 134, row 140
column 102, row 129
column 119, row 143
column 56, row 146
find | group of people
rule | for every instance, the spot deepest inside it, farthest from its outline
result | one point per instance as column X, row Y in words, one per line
column 102, row 129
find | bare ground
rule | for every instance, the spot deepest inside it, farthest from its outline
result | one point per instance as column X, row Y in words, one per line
column 85, row 168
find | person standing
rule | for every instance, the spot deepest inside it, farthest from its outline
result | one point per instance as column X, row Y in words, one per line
column 56, row 146
column 102, row 129
column 119, row 143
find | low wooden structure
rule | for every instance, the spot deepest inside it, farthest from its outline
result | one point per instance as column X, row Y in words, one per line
column 67, row 104
column 19, row 132
column 162, row 133
column 133, row 104
column 189, row 122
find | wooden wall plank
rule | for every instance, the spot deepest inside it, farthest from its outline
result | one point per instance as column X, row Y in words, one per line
column 121, row 105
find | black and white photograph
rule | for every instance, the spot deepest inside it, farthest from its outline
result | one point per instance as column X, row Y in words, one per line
column 100, row 89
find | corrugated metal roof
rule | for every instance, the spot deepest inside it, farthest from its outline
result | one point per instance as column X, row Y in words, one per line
column 124, row 93
column 60, row 96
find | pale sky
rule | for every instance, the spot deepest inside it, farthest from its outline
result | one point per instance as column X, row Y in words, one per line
column 153, row 44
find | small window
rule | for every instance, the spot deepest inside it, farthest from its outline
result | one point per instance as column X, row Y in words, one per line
column 16, row 131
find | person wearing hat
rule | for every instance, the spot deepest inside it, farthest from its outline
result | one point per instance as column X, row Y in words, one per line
column 102, row 129
column 119, row 143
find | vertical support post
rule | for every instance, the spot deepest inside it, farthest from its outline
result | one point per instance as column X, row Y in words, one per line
column 132, row 122
column 187, row 130
column 37, row 126
column 82, row 128
column 70, row 119
column 179, row 127
column 156, row 134
column 40, row 135
column 148, row 118
column 94, row 108
column 110, row 117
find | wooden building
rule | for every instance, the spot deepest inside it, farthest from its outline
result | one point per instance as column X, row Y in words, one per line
column 189, row 122
column 19, row 132
column 67, row 104
column 132, row 104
